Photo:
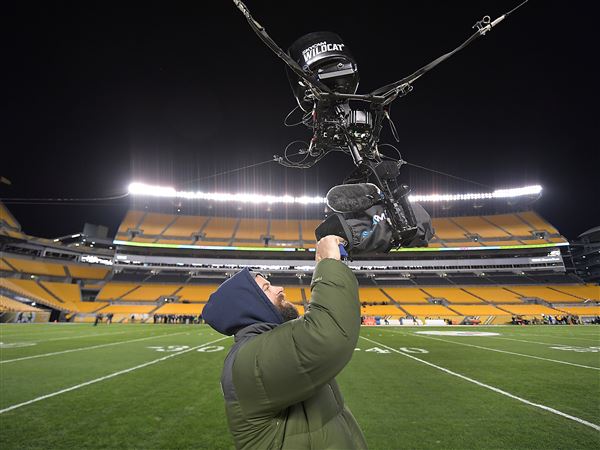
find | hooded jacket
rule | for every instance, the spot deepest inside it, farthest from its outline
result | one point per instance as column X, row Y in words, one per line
column 278, row 379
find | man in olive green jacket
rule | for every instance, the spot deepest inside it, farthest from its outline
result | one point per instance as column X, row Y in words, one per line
column 278, row 378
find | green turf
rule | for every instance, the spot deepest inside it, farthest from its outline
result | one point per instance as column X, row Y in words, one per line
column 400, row 402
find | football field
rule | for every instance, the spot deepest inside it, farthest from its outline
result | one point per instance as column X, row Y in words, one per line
column 73, row 386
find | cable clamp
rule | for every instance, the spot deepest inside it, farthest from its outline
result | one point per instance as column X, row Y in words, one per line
column 483, row 25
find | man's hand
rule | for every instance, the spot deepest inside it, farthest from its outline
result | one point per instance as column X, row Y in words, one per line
column 328, row 247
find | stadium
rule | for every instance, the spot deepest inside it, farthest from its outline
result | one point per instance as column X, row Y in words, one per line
column 486, row 338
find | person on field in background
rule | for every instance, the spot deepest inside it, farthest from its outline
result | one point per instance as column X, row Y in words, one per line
column 278, row 379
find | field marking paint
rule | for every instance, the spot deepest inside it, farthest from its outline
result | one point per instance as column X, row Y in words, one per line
column 530, row 342
column 92, row 347
column 557, row 336
column 512, row 353
column 491, row 388
column 80, row 336
column 105, row 377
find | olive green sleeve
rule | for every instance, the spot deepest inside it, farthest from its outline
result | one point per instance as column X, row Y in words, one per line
column 289, row 363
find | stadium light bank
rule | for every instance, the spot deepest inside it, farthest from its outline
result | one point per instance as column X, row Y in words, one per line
column 145, row 190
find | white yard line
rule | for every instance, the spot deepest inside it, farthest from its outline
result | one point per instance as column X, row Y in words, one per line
column 530, row 342
column 507, row 352
column 43, row 355
column 105, row 377
column 80, row 336
column 487, row 386
column 555, row 336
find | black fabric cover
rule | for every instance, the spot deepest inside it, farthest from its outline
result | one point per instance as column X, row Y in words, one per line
column 368, row 232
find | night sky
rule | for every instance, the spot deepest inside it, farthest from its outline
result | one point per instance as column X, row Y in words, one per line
column 99, row 95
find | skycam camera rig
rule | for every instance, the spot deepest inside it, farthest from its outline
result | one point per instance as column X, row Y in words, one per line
column 324, row 79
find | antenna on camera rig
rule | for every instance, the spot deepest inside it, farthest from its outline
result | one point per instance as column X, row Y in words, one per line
column 324, row 78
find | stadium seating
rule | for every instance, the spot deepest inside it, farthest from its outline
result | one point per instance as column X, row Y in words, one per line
column 293, row 294
column 53, row 269
column 128, row 309
column 428, row 310
column 385, row 310
column 181, row 308
column 8, row 304
column 582, row 310
column 66, row 292
column 196, row 293
column 469, row 231
column 530, row 310
column 544, row 293
column 150, row 292
column 34, row 291
column 36, row 267
column 285, row 230
column 7, row 219
column 372, row 294
column 406, row 294
column 88, row 307
column 478, row 310
column 452, row 294
column 114, row 291
column 86, row 272
column 494, row 294
column 5, row 266
column 583, row 292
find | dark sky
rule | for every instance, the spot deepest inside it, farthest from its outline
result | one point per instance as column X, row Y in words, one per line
column 99, row 95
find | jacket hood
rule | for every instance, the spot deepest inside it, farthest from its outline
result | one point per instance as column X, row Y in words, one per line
column 237, row 303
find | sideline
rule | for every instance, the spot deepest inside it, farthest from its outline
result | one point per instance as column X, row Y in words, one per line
column 506, row 351
column 43, row 355
column 106, row 377
column 487, row 386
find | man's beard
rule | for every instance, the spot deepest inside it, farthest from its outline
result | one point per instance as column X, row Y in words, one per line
column 286, row 309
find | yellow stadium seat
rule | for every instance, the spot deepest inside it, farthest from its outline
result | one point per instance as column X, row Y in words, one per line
column 196, row 293
column 65, row 291
column 155, row 223
column 5, row 266
column 537, row 222
column 131, row 221
column 33, row 291
column 406, row 294
column 181, row 308
column 150, row 292
column 308, row 230
column 544, row 293
column 285, row 230
column 478, row 225
column 185, row 226
column 128, row 309
column 114, row 291
column 7, row 217
column 445, row 229
column 8, row 304
column 582, row 310
column 36, row 267
column 382, row 310
column 220, row 228
column 511, row 223
column 477, row 310
column 494, row 294
column 86, row 272
column 583, row 292
column 372, row 294
column 532, row 310
column 422, row 311
column 254, row 229
column 88, row 307
column 452, row 294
